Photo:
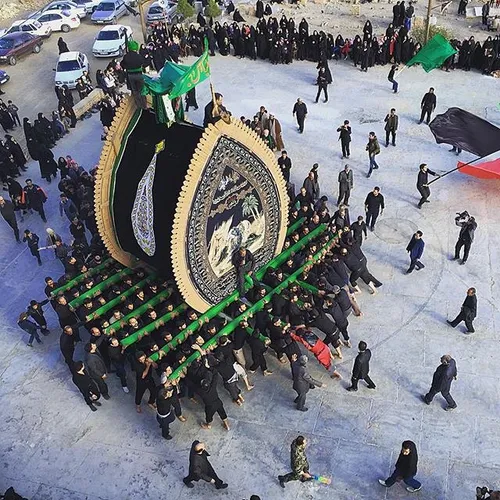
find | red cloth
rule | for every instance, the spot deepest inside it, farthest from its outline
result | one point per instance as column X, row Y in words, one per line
column 315, row 345
column 485, row 170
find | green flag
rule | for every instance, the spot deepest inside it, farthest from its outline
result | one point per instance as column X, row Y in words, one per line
column 196, row 73
column 433, row 54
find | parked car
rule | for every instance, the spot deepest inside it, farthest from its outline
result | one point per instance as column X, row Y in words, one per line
column 111, row 40
column 4, row 77
column 70, row 68
column 161, row 11
column 15, row 45
column 28, row 26
column 59, row 21
column 109, row 11
column 88, row 5
column 66, row 6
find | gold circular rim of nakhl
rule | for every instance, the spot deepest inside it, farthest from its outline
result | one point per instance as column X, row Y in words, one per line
column 103, row 197
column 241, row 133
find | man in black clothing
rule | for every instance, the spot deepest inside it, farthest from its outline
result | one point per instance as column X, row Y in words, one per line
column 300, row 112
column 133, row 63
column 374, row 206
column 468, row 226
column 391, row 127
column 9, row 215
column 164, row 411
column 331, row 307
column 86, row 385
column 303, row 198
column 35, row 198
column 285, row 164
column 468, row 311
column 390, row 77
column 214, row 112
column 358, row 229
column 144, row 380
column 361, row 368
column 32, row 240
column 66, row 316
column 67, row 343
column 322, row 82
column 258, row 348
column 423, row 183
column 345, row 138
column 345, row 185
column 244, row 263
column 445, row 373
column 213, row 404
column 201, row 468
column 428, row 105
column 96, row 367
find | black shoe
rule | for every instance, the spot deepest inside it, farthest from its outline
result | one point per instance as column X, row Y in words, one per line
column 450, row 323
column 296, row 400
column 450, row 408
column 304, row 408
column 372, row 387
column 168, row 437
column 425, row 400
column 221, row 486
column 282, row 483
column 462, row 262
column 106, row 396
column 97, row 403
column 351, row 389
column 189, row 484
column 394, row 144
column 93, row 408
column 409, row 272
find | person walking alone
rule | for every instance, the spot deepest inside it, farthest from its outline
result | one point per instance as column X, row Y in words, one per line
column 345, row 185
column 373, row 149
column 423, row 183
column 7, row 209
column 374, row 206
column 428, row 105
column 29, row 327
column 406, row 468
column 391, row 127
column 345, row 138
column 300, row 112
column 444, row 375
column 361, row 368
column 299, row 463
column 201, row 468
column 468, row 312
column 322, row 82
column 390, row 77
column 415, row 249
column 302, row 382
column 468, row 227
column 32, row 239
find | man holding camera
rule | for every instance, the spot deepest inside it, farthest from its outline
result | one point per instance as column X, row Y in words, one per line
column 468, row 225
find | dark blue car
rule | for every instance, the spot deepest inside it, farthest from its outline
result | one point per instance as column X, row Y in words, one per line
column 4, row 77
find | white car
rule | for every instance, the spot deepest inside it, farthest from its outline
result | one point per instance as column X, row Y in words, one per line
column 89, row 5
column 59, row 21
column 70, row 67
column 66, row 6
column 28, row 26
column 111, row 40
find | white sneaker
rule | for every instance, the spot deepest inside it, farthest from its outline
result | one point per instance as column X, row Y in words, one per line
column 125, row 390
column 413, row 490
column 382, row 482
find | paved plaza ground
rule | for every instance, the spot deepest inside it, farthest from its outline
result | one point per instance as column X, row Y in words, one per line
column 53, row 448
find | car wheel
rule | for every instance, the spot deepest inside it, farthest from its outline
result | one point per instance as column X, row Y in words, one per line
column 12, row 60
column 65, row 28
column 120, row 52
column 36, row 49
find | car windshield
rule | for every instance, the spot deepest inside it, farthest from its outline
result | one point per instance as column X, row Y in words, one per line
column 67, row 66
column 6, row 43
column 108, row 35
column 106, row 7
column 156, row 9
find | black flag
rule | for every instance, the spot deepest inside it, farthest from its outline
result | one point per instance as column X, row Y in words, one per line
column 466, row 131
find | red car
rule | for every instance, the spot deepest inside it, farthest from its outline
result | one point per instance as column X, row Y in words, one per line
column 14, row 45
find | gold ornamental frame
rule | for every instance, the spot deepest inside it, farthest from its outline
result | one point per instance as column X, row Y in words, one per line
column 241, row 133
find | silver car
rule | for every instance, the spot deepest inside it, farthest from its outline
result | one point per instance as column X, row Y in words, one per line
column 109, row 11
column 161, row 11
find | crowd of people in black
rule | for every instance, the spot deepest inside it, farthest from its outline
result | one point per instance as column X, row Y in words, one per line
column 283, row 41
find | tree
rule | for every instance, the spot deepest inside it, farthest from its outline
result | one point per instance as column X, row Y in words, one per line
column 185, row 9
column 250, row 206
column 212, row 9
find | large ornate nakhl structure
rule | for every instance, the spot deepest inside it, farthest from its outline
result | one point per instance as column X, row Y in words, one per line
column 181, row 199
